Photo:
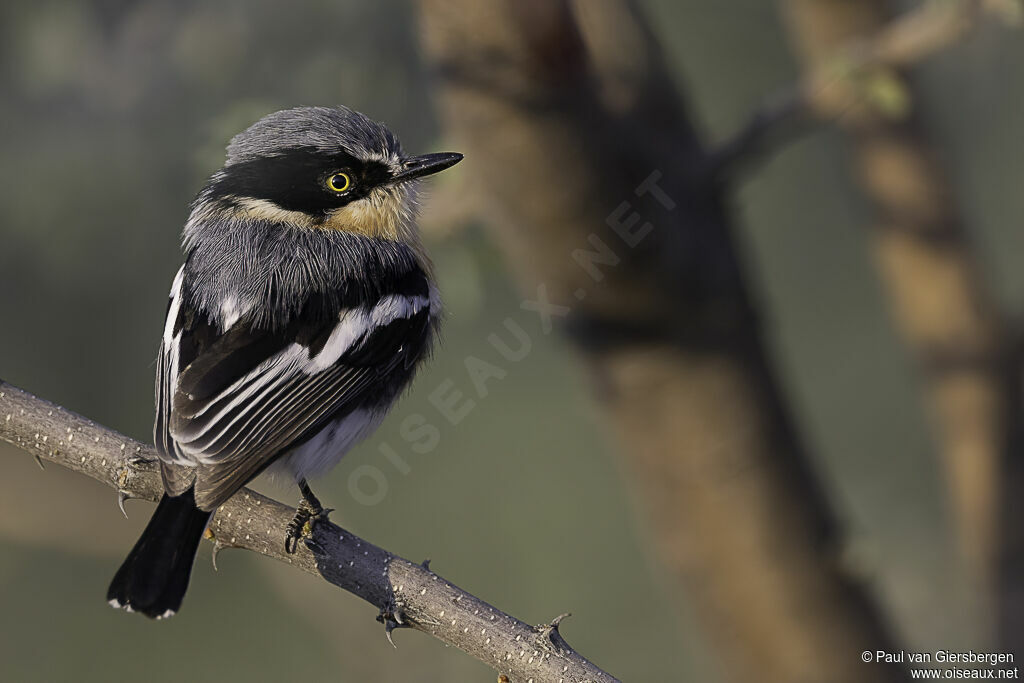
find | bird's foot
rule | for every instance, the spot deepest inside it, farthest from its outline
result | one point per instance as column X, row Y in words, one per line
column 306, row 517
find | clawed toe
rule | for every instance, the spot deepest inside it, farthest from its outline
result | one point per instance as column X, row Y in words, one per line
column 308, row 513
column 295, row 529
column 306, row 517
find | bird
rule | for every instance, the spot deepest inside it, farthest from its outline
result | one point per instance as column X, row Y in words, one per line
column 304, row 306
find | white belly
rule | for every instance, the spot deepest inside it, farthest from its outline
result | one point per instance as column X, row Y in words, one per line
column 321, row 453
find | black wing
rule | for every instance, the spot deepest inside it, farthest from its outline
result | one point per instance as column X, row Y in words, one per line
column 230, row 402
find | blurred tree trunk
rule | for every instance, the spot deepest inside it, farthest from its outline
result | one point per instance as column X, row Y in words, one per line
column 938, row 294
column 597, row 187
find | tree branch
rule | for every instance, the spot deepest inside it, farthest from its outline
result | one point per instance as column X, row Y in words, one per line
column 409, row 595
column 857, row 77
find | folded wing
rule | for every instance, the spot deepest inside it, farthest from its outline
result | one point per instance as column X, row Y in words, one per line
column 230, row 401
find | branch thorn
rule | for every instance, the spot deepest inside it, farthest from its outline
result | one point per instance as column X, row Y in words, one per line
column 391, row 620
column 389, row 626
column 217, row 547
column 551, row 629
column 122, row 496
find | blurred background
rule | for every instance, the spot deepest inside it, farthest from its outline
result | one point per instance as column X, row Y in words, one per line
column 114, row 112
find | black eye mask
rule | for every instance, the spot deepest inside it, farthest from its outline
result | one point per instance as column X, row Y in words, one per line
column 297, row 180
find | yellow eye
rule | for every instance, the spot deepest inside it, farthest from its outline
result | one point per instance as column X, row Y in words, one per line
column 339, row 182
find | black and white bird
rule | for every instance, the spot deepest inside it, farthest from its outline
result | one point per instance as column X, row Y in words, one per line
column 304, row 306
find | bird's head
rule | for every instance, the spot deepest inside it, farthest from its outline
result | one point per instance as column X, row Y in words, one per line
column 321, row 168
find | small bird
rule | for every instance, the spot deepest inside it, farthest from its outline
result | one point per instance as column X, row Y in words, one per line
column 304, row 306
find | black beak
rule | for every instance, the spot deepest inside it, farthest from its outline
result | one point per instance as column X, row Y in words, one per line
column 426, row 164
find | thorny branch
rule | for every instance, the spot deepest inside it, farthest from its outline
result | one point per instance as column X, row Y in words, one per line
column 409, row 595
column 859, row 75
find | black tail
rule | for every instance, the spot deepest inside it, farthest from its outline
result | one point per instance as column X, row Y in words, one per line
column 154, row 577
